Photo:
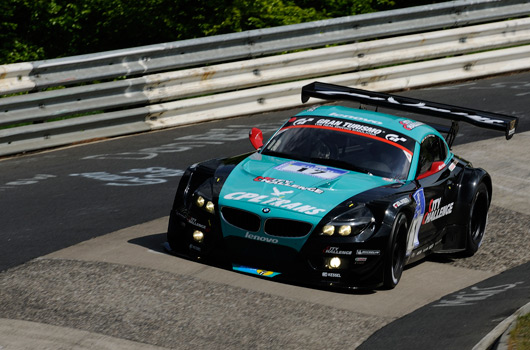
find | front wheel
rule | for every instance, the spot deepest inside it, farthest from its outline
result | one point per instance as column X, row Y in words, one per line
column 395, row 260
column 478, row 218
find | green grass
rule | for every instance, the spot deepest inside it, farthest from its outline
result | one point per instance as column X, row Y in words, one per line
column 520, row 335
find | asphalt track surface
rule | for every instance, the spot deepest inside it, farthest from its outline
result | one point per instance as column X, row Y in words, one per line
column 122, row 289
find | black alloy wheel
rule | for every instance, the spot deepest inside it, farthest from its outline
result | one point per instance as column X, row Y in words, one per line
column 478, row 218
column 395, row 261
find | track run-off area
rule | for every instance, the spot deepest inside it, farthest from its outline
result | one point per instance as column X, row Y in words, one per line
column 82, row 262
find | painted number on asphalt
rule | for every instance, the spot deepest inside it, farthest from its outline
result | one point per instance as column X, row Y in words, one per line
column 147, row 176
column 477, row 294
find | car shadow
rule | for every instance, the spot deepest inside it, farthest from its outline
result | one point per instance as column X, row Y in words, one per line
column 442, row 258
column 154, row 242
column 157, row 242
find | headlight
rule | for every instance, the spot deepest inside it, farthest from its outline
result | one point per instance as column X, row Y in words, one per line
column 210, row 207
column 199, row 201
column 205, row 204
column 334, row 263
column 328, row 230
column 350, row 223
column 198, row 236
column 345, row 230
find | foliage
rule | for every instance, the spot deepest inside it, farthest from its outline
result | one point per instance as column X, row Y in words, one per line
column 43, row 29
column 520, row 335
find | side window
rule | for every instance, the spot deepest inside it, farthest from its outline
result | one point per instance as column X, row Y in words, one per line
column 432, row 150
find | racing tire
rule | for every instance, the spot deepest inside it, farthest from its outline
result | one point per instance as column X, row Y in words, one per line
column 395, row 261
column 478, row 218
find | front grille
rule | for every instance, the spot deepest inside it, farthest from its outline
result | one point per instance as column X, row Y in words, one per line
column 261, row 255
column 241, row 218
column 287, row 228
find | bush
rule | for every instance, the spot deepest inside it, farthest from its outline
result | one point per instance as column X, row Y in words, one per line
column 43, row 29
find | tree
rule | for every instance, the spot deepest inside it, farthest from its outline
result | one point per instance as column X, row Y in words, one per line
column 44, row 29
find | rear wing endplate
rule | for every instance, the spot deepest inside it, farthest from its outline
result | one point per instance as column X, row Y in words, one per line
column 482, row 119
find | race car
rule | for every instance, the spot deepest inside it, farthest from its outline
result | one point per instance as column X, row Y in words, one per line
column 338, row 196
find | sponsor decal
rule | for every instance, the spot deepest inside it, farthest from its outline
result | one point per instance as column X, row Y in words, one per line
column 287, row 183
column 261, row 238
column 419, row 211
column 315, row 170
column 361, row 260
column 435, row 211
column 331, row 274
column 337, row 251
column 395, row 138
column 265, row 273
column 254, row 271
column 410, row 124
column 453, row 165
column 369, row 130
column 191, row 220
column 278, row 193
column 368, row 252
column 313, row 108
column 194, row 222
column 182, row 215
column 402, row 201
column 274, row 201
column 421, row 251
column 194, row 247
column 344, row 125
column 302, row 121
column 421, row 105
column 354, row 117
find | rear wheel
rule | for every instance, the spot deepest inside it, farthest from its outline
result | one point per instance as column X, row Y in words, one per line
column 395, row 260
column 478, row 218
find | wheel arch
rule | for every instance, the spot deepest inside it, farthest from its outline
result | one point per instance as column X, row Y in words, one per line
column 396, row 251
column 471, row 179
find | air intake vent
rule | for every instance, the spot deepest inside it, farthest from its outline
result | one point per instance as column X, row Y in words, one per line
column 287, row 228
column 242, row 219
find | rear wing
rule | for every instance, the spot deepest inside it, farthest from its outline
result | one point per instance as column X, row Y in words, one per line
column 482, row 119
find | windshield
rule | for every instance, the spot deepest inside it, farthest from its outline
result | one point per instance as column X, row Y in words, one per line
column 346, row 149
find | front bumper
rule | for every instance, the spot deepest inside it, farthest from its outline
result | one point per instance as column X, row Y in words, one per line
column 361, row 264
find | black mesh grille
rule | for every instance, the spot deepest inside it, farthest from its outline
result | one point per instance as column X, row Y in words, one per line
column 287, row 228
column 242, row 219
column 273, row 257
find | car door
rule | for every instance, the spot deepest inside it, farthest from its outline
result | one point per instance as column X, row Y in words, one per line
column 434, row 176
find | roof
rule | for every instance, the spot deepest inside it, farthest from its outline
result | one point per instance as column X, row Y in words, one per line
column 413, row 129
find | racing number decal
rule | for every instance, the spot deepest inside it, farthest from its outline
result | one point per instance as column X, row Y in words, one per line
column 319, row 171
column 412, row 240
column 309, row 171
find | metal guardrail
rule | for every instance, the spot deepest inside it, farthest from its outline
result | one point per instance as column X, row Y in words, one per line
column 255, row 43
column 170, row 98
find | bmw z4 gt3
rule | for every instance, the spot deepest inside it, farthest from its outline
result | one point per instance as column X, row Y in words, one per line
column 338, row 196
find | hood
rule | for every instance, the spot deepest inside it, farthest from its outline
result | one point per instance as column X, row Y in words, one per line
column 272, row 187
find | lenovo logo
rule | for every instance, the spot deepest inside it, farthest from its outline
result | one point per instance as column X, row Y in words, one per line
column 260, row 238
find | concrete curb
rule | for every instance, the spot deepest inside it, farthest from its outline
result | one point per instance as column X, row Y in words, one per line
column 28, row 335
column 501, row 332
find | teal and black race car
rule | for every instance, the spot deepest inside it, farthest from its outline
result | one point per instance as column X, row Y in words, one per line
column 339, row 196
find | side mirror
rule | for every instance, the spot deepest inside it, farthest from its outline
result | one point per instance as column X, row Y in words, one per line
column 435, row 167
column 256, row 138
